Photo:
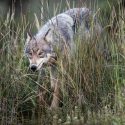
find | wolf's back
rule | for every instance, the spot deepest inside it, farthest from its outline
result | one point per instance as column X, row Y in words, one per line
column 76, row 20
column 84, row 17
column 79, row 14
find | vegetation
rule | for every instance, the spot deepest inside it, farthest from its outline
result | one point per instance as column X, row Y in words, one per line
column 92, row 83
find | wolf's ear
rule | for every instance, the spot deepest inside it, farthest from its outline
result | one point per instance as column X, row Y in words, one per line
column 47, row 32
column 46, row 37
column 29, row 37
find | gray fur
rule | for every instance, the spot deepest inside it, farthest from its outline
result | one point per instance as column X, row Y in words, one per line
column 58, row 34
column 60, row 29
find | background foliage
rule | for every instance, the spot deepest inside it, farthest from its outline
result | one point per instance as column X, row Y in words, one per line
column 92, row 83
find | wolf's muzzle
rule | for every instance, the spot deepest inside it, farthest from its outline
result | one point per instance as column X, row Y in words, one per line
column 33, row 67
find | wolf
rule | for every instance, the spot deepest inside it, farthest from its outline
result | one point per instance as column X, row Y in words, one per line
column 58, row 34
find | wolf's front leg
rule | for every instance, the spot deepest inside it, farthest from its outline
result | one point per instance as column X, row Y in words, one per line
column 55, row 86
column 41, row 91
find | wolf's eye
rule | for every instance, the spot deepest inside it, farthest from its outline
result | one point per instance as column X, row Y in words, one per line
column 30, row 53
column 41, row 54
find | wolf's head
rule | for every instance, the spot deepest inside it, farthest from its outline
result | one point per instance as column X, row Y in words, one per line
column 39, row 52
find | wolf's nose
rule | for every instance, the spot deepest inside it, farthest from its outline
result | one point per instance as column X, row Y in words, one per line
column 33, row 67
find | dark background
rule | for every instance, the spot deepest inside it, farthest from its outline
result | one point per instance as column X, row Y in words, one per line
column 28, row 7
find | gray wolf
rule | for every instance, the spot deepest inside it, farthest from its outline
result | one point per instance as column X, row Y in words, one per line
column 58, row 34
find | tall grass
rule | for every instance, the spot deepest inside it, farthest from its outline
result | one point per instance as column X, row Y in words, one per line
column 92, row 81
